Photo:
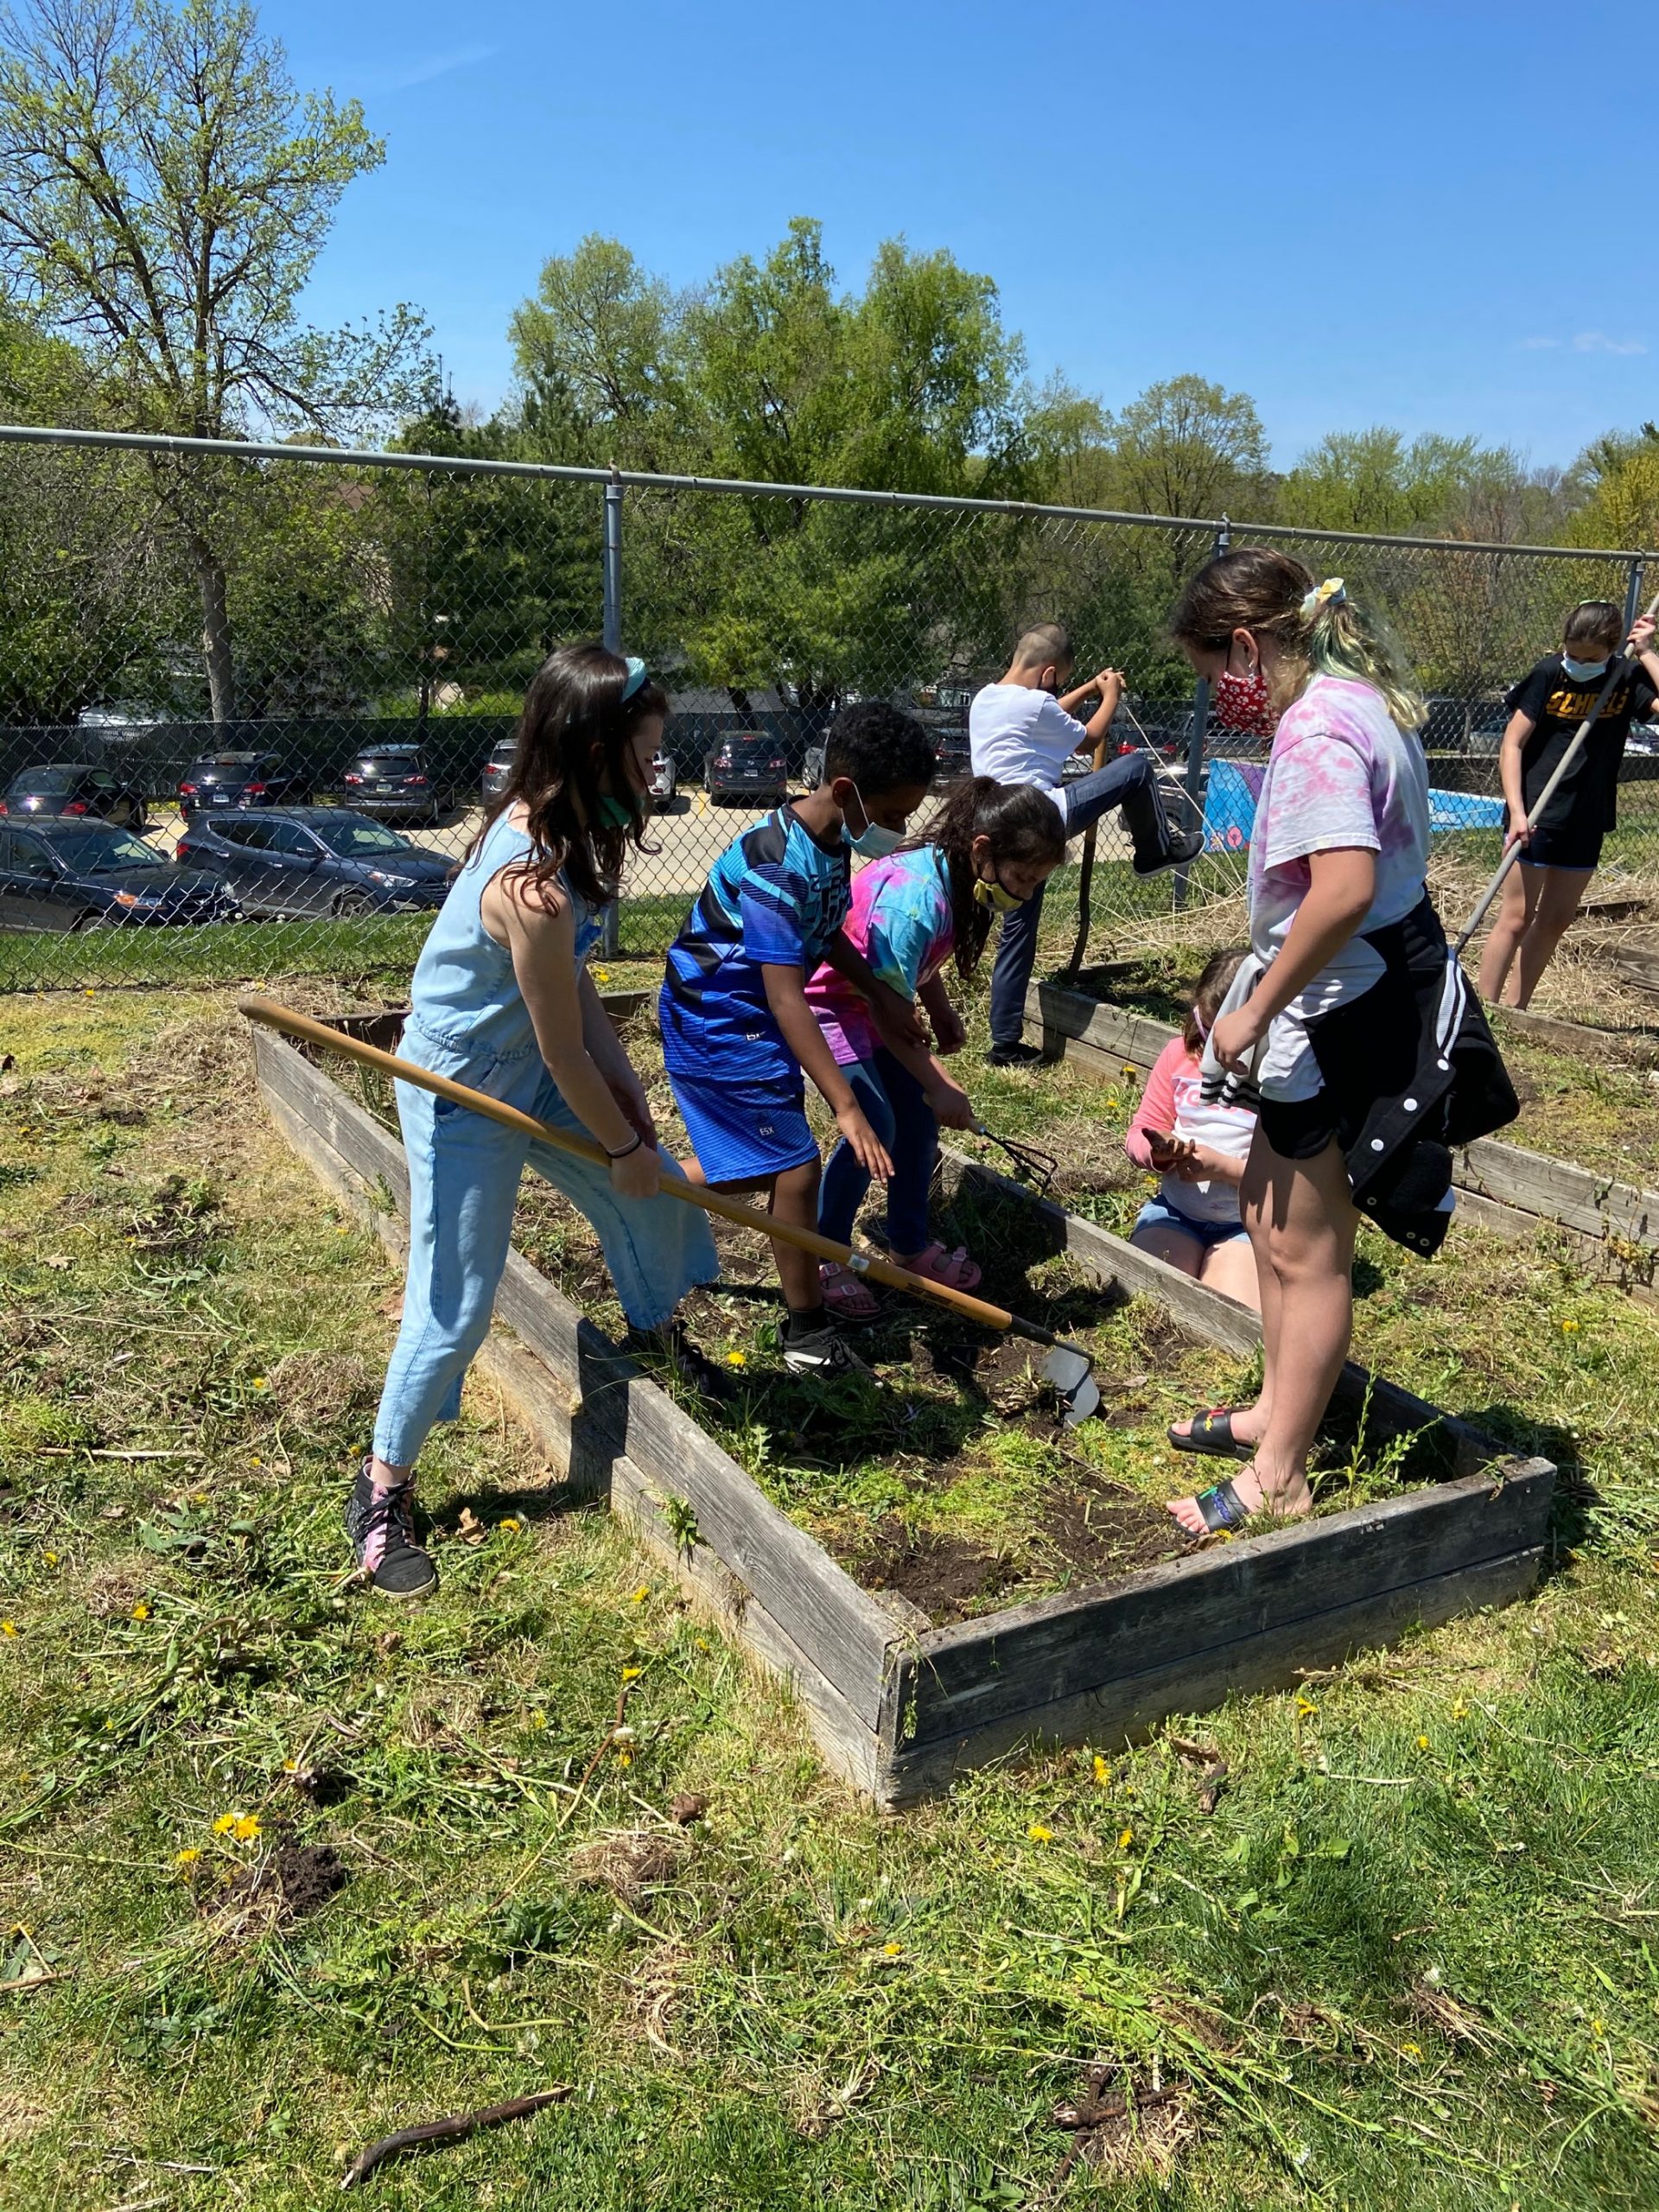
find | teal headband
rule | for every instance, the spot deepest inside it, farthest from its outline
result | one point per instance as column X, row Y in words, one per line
column 637, row 675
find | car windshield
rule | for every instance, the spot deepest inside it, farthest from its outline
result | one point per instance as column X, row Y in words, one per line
column 227, row 761
column 390, row 756
column 352, row 838
column 44, row 781
column 100, row 852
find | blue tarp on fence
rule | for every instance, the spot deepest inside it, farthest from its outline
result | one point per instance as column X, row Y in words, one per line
column 1236, row 786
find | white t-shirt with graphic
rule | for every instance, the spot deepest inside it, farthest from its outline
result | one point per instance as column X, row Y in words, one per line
column 1342, row 775
column 1019, row 735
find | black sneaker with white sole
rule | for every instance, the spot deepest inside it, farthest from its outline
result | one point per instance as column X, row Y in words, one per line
column 1180, row 847
column 381, row 1525
column 821, row 1351
column 1017, row 1055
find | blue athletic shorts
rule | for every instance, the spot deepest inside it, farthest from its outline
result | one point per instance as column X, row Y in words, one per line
column 1155, row 1214
column 741, row 1132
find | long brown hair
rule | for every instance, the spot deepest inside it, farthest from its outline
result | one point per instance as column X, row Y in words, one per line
column 1258, row 589
column 1022, row 824
column 1208, row 993
column 573, row 737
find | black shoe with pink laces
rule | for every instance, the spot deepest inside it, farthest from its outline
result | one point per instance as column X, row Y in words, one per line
column 381, row 1525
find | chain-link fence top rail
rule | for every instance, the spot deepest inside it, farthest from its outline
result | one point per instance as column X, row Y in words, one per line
column 296, row 672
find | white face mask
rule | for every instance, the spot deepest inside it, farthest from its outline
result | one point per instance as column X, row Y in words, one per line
column 1583, row 672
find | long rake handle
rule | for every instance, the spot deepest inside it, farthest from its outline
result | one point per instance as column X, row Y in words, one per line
column 1086, row 877
column 1512, row 852
column 271, row 1015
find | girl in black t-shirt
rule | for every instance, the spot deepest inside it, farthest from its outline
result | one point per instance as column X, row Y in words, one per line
column 1560, row 847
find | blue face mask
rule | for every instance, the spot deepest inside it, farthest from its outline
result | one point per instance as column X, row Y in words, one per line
column 1583, row 672
column 872, row 842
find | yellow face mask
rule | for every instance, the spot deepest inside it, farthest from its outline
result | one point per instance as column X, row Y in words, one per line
column 996, row 895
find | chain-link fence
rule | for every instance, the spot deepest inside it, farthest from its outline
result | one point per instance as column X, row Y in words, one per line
column 294, row 676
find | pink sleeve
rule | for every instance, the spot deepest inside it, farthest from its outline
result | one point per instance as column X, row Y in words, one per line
column 1157, row 1107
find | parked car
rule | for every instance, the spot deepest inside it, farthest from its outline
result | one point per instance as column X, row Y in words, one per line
column 395, row 781
column 665, row 779
column 57, row 875
column 748, row 765
column 316, row 860
column 119, row 725
column 65, row 788
column 954, row 759
column 497, row 769
column 241, row 779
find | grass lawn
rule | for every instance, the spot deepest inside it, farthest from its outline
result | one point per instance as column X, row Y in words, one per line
column 286, row 1869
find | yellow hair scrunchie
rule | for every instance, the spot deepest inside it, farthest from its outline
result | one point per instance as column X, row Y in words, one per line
column 1332, row 587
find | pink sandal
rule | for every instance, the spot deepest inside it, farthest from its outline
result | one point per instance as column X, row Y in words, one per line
column 844, row 1294
column 954, row 1269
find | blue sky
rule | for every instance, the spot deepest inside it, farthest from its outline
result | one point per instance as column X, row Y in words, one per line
column 1382, row 211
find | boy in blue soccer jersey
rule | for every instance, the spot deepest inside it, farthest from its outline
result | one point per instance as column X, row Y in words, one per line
column 739, row 1037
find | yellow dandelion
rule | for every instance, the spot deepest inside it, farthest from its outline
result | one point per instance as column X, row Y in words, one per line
column 245, row 1830
column 509, row 1520
column 1128, row 1072
column 1125, row 1838
column 185, row 1858
column 625, row 1758
column 631, row 1674
column 89, row 991
column 1598, row 2027
column 256, row 1463
column 640, row 1594
column 262, row 1382
column 1103, row 1772
column 1422, row 1743
column 51, row 1557
column 1460, row 1710
column 1304, row 1708
column 1411, row 2050
column 223, row 1824
column 538, row 1718
column 8, row 1628
column 703, row 1644
column 1569, row 1328
column 891, row 1950
column 1038, row 1834
column 343, row 1229
column 141, row 1612
column 737, row 1359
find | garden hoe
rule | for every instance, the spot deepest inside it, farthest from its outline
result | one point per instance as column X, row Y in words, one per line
column 1512, row 853
column 1068, row 1366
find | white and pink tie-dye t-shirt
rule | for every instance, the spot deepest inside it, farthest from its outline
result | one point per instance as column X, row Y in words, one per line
column 1341, row 774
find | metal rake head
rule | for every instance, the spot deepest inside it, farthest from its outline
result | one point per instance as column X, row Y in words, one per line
column 1029, row 1165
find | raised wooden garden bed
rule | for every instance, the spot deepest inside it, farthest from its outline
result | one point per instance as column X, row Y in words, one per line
column 900, row 1708
column 1500, row 1187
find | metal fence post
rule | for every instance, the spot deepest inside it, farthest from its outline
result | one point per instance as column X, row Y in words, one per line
column 1195, row 744
column 610, row 929
column 1633, row 592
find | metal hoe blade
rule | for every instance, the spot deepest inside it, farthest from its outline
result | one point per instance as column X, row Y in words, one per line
column 1068, row 1369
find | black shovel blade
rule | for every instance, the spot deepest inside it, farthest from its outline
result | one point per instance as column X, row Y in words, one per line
column 1068, row 1369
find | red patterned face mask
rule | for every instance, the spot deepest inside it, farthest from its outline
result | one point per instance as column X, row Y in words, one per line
column 1239, row 704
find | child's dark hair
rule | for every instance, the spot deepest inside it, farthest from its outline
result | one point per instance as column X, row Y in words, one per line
column 573, row 737
column 1208, row 993
column 880, row 747
column 1596, row 623
column 1024, row 828
column 1256, row 588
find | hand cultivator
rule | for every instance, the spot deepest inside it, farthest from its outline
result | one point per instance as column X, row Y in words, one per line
column 1037, row 1169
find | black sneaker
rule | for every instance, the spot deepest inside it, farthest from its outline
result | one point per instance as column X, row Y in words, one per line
column 1017, row 1055
column 672, row 1349
column 1180, row 847
column 381, row 1525
column 821, row 1351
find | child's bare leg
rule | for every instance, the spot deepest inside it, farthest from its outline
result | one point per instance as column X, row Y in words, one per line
column 1514, row 912
column 1250, row 1423
column 1556, row 905
column 1230, row 1269
column 1166, row 1242
column 795, row 1200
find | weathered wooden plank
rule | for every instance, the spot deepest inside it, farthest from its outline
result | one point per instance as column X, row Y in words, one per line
column 1506, row 1174
column 1582, row 1040
column 1389, row 1409
column 1058, row 1647
column 850, row 1746
column 1117, row 1711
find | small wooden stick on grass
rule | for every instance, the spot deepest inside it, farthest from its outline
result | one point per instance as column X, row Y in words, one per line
column 446, row 2130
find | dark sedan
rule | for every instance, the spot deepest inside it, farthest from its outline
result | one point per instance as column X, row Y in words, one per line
column 227, row 779
column 395, row 781
column 70, row 791
column 73, row 875
column 748, row 765
column 316, row 860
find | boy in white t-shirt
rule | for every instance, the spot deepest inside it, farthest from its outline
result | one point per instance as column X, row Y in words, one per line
column 1022, row 730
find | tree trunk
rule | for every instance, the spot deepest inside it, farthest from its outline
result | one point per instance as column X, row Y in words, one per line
column 216, row 631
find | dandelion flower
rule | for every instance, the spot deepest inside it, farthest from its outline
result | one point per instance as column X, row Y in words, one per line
column 256, row 1463
column 262, row 1382
column 1103, row 1772
column 622, row 1735
column 625, row 1758
column 1126, row 1839
column 223, row 1824
column 185, row 1858
column 703, row 1644
column 510, row 1520
column 290, row 1766
column 1038, row 1834
column 1460, row 1710
column 1411, row 2050
column 891, row 1950
column 1569, row 1328
column 1598, row 2027
column 1128, row 1072
column 1305, row 1706
column 538, row 1718
column 631, row 1674
column 737, row 1359
column 245, row 1830
column 1422, row 1743
column 141, row 1612
column 8, row 1628
column 51, row 1557
column 640, row 1594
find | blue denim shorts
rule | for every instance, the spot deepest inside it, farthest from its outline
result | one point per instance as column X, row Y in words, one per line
column 1157, row 1214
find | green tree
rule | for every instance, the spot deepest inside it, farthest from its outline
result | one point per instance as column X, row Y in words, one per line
column 164, row 194
column 1186, row 447
column 597, row 356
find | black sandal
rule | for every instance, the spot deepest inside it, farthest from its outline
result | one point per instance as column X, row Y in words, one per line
column 1212, row 1434
column 1221, row 1508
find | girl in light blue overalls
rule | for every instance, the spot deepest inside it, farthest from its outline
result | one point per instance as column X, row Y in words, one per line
column 502, row 1001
